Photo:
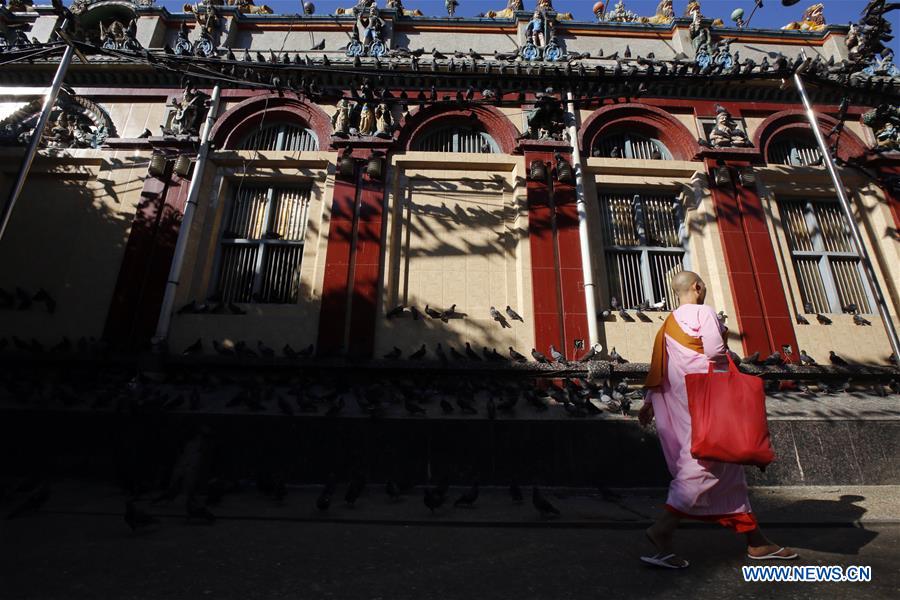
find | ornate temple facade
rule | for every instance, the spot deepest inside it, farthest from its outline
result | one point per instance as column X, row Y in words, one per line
column 227, row 180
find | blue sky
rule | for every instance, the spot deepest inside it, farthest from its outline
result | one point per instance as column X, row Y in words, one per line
column 773, row 15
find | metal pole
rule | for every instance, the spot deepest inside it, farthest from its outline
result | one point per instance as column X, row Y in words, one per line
column 165, row 312
column 848, row 214
column 583, row 234
column 49, row 101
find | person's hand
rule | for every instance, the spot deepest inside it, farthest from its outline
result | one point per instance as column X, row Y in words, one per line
column 645, row 415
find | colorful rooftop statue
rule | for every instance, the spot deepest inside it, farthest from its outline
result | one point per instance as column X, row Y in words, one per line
column 507, row 13
column 243, row 6
column 664, row 13
column 620, row 14
column 813, row 19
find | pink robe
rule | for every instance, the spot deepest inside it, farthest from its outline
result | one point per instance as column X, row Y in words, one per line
column 699, row 488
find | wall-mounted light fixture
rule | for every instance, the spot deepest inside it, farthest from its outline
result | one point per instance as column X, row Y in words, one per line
column 346, row 165
column 747, row 176
column 183, row 165
column 721, row 175
column 537, row 171
column 375, row 166
column 158, row 163
column 564, row 171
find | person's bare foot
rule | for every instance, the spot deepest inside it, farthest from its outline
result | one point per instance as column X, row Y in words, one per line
column 663, row 545
column 773, row 549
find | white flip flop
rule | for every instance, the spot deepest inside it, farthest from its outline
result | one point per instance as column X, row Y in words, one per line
column 658, row 560
column 774, row 556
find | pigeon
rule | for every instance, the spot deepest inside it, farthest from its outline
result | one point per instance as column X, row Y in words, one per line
column 222, row 350
column 355, row 489
column 446, row 407
column 823, row 319
column 194, row 349
column 434, row 498
column 439, row 352
column 835, row 359
column 434, row 314
column 753, row 358
column 414, row 408
column 395, row 312
column 538, row 356
column 394, row 354
column 592, row 352
column 392, row 490
column 859, row 320
column 468, row 497
column 285, row 407
column 471, row 353
column 264, row 350
column 449, row 313
column 455, row 353
column 806, row 359
column 136, row 518
column 556, row 355
column 289, row 352
column 513, row 314
column 774, row 359
column 324, row 499
column 850, row 308
column 495, row 315
column 801, row 320
column 542, row 504
column 616, row 357
column 516, row 356
column 145, row 134
column 515, row 493
column 307, row 352
column 418, row 354
column 319, row 46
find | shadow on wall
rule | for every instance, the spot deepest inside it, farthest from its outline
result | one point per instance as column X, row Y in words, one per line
column 67, row 236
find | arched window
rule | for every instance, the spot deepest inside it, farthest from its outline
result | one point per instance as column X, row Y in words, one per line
column 289, row 137
column 631, row 145
column 794, row 150
column 457, row 138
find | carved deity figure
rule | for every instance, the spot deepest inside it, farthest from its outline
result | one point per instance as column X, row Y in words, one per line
column 188, row 112
column 885, row 124
column 366, row 121
column 620, row 14
column 534, row 31
column 664, row 13
column 813, row 19
column 451, row 5
column 384, row 121
column 341, row 119
column 512, row 6
column 371, row 25
column 726, row 133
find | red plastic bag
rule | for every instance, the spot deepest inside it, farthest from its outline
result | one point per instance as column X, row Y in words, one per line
column 728, row 417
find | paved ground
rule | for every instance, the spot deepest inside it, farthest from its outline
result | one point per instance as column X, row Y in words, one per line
column 77, row 546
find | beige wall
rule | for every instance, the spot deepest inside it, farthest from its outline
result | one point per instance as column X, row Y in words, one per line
column 854, row 342
column 67, row 235
column 458, row 234
column 273, row 324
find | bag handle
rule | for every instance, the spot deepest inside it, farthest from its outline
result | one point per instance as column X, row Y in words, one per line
column 731, row 366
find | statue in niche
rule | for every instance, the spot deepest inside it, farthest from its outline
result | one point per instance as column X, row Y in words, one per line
column 118, row 37
column 813, row 19
column 384, row 121
column 885, row 124
column 188, row 113
column 340, row 121
column 540, row 38
column 366, row 121
column 726, row 133
column 546, row 121
column 75, row 122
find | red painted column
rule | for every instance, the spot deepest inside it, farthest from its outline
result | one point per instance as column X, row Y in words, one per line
column 762, row 315
column 335, row 285
column 137, row 297
column 571, row 274
column 367, row 257
column 544, row 276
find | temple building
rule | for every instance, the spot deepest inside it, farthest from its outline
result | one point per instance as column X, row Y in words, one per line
column 228, row 186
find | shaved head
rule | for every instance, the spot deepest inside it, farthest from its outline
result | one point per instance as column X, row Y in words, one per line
column 683, row 281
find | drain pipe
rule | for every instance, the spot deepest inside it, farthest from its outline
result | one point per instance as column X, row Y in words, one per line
column 583, row 235
column 165, row 312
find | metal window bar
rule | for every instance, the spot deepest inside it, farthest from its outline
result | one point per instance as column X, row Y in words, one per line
column 457, row 139
column 642, row 236
column 796, row 152
column 827, row 268
column 263, row 245
column 281, row 136
column 632, row 145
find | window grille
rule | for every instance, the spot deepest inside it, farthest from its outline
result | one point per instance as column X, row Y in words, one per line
column 262, row 245
column 281, row 136
column 827, row 266
column 457, row 139
column 631, row 145
column 643, row 244
column 797, row 152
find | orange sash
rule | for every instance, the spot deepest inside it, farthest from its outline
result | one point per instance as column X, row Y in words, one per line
column 658, row 363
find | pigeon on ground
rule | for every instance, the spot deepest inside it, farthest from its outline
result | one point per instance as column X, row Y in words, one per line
column 468, row 497
column 516, row 356
column 556, row 355
column 538, row 356
column 806, row 359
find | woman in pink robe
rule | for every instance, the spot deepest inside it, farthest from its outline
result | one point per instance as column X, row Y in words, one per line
column 700, row 489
